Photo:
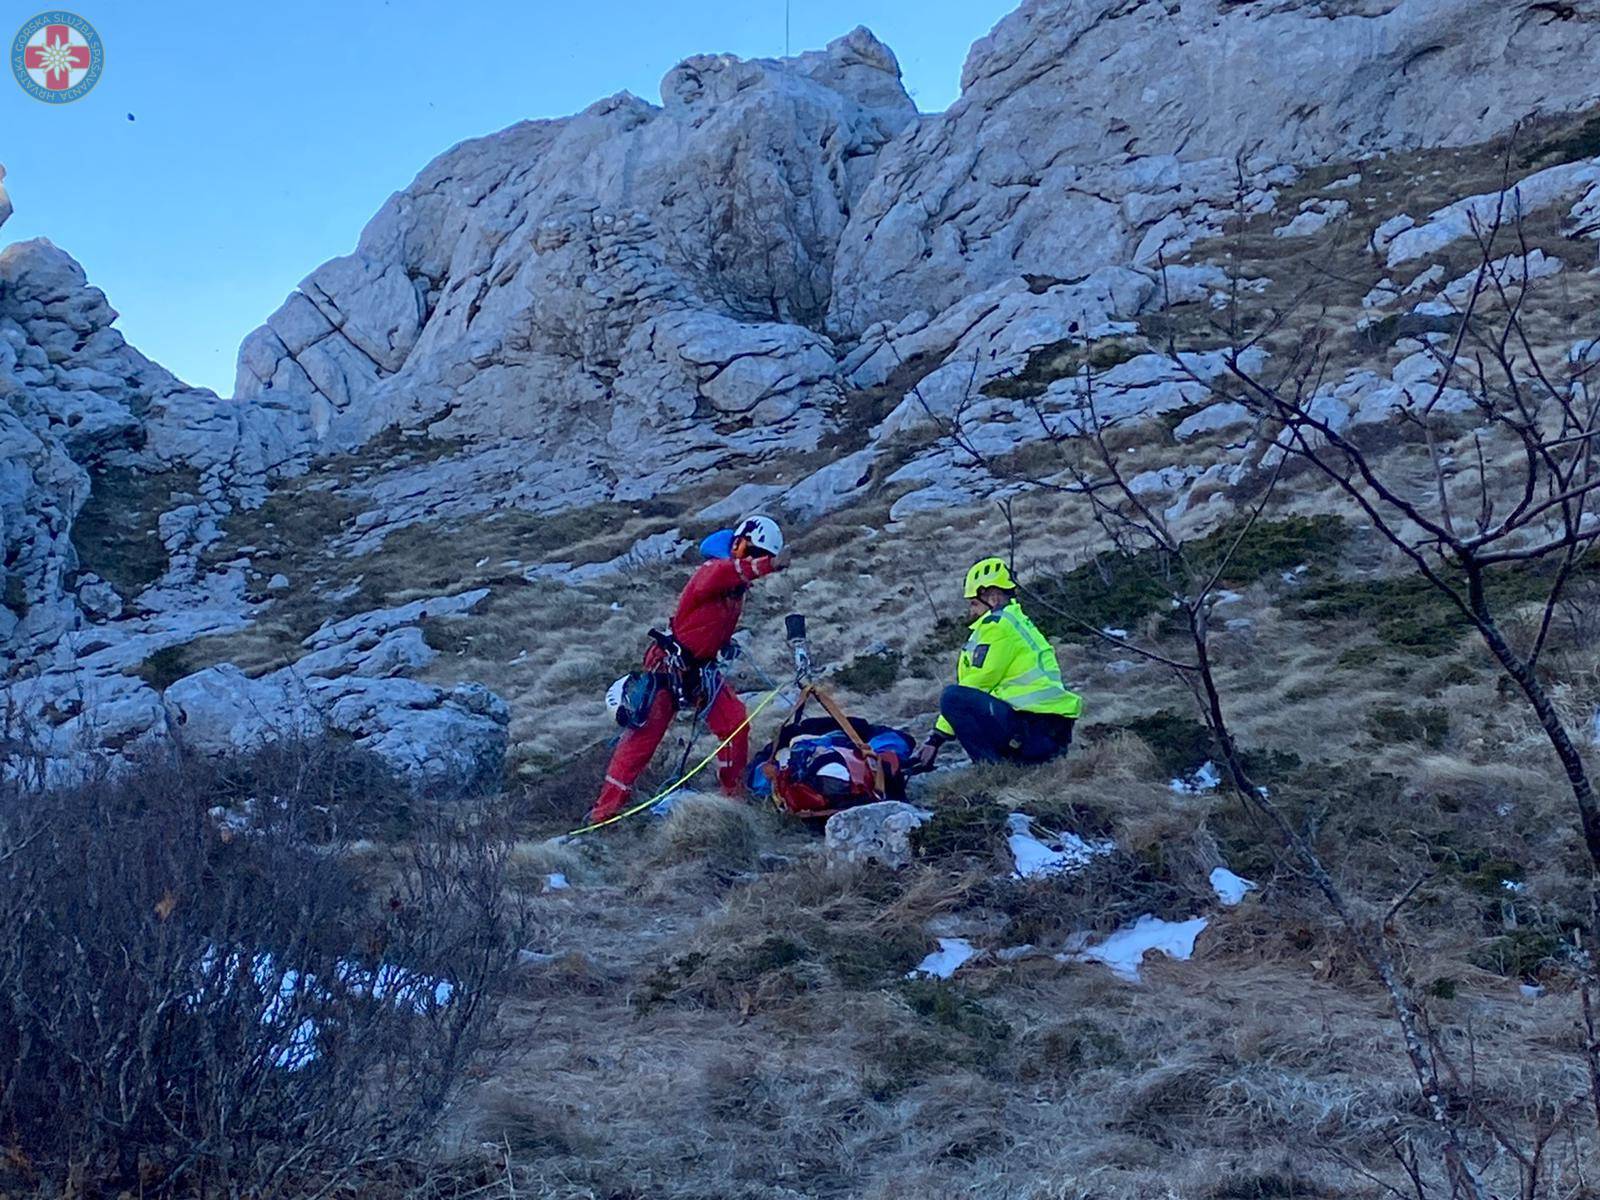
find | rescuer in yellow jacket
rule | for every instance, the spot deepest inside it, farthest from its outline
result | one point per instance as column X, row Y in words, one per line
column 1008, row 701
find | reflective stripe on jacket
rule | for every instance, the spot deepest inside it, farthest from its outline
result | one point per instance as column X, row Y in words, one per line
column 1009, row 658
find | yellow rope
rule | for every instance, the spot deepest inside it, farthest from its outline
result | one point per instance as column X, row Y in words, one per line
column 703, row 764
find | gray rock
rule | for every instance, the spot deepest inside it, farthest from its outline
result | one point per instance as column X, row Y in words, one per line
column 431, row 736
column 1214, row 418
column 656, row 263
column 1313, row 219
column 1523, row 198
column 878, row 834
column 1016, row 176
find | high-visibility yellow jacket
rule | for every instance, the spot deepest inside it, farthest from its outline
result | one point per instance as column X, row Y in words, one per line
column 1009, row 658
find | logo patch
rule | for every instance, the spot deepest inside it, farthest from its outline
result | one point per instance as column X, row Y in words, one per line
column 980, row 653
column 57, row 57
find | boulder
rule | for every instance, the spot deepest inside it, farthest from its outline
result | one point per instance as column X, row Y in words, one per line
column 878, row 834
column 434, row 737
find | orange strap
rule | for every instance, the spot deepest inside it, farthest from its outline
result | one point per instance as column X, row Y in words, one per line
column 832, row 707
column 844, row 723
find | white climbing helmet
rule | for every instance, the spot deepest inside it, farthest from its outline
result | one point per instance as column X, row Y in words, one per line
column 615, row 693
column 762, row 532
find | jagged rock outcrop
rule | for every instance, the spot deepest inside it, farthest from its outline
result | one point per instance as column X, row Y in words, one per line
column 618, row 304
column 638, row 284
column 1092, row 132
column 76, row 401
column 354, row 682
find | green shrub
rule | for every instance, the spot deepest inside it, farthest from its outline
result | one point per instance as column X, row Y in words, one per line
column 1410, row 614
column 1573, row 146
column 1061, row 360
column 166, row 666
column 948, row 1004
column 973, row 829
column 1394, row 725
column 1119, row 591
column 1522, row 953
column 870, row 674
column 115, row 531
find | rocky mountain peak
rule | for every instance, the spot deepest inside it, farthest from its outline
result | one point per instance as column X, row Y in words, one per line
column 776, row 288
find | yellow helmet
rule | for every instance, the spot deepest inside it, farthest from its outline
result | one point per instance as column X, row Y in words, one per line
column 991, row 572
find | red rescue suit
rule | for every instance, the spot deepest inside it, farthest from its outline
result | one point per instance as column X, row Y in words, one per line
column 708, row 614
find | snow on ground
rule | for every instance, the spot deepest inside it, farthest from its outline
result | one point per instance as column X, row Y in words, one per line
column 945, row 961
column 1230, row 888
column 396, row 985
column 1206, row 779
column 1125, row 949
column 1037, row 858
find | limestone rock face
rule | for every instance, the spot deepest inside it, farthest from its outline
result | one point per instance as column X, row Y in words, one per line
column 632, row 277
column 781, row 286
column 428, row 735
column 1097, row 131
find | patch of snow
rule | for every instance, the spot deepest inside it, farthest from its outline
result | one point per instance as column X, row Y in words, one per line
column 1532, row 990
column 393, row 984
column 556, row 882
column 1230, row 888
column 1124, row 951
column 299, row 1048
column 397, row 985
column 1594, row 728
column 1206, row 779
column 945, row 961
column 1038, row 859
column 1513, row 885
column 1013, row 953
column 1121, row 634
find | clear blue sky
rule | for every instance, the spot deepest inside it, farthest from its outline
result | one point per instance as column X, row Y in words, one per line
column 265, row 134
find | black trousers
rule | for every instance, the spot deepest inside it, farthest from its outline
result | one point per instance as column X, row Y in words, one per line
column 990, row 730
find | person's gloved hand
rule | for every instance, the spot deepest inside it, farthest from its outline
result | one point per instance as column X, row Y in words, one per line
column 781, row 560
column 928, row 753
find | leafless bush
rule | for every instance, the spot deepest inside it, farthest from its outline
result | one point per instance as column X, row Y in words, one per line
column 228, row 1008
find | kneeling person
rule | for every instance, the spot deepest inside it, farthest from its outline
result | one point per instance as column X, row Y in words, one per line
column 1008, row 702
